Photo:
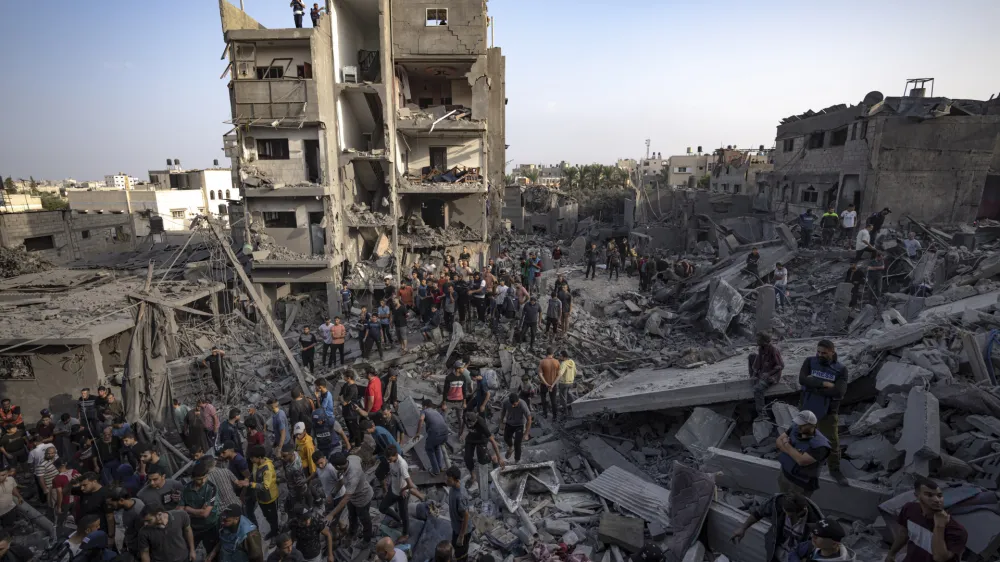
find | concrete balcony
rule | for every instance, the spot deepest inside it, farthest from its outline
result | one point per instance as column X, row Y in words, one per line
column 293, row 99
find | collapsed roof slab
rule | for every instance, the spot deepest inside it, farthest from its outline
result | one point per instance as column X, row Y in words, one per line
column 977, row 302
column 726, row 381
column 859, row 500
column 733, row 272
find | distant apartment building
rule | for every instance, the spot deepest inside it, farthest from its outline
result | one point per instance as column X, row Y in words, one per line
column 735, row 171
column 673, row 171
column 215, row 184
column 118, row 181
column 176, row 207
column 391, row 105
column 551, row 176
column 19, row 202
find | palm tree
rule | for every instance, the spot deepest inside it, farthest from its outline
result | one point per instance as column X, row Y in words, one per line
column 571, row 176
column 532, row 176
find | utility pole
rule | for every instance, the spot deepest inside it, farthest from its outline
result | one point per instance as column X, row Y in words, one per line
column 647, row 149
column 128, row 208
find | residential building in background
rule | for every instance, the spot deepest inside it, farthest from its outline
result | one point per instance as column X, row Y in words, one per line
column 176, row 207
column 62, row 236
column 735, row 170
column 551, row 176
column 19, row 202
column 366, row 142
column 684, row 170
column 118, row 181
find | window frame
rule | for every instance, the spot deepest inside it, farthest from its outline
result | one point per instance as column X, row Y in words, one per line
column 437, row 19
column 268, row 153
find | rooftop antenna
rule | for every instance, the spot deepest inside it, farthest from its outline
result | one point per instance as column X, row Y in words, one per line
column 647, row 149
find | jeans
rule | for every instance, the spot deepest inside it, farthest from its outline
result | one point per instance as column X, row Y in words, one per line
column 360, row 514
column 433, row 447
column 549, row 397
column 513, row 435
column 564, row 390
column 781, row 299
column 806, row 237
column 551, row 325
column 400, row 513
column 591, row 271
column 298, row 20
column 337, row 348
column 760, row 386
column 531, row 327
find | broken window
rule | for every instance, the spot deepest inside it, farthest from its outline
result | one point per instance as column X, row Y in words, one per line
column 270, row 72
column 854, row 131
column 436, row 17
column 279, row 219
column 211, row 195
column 439, row 157
column 725, row 187
column 838, row 137
column 272, row 149
column 84, row 234
column 38, row 243
column 864, row 129
column 810, row 195
column 815, row 141
column 736, row 188
column 788, row 145
column 220, row 195
column 16, row 367
column 424, row 103
column 304, row 70
column 227, row 194
column 177, row 213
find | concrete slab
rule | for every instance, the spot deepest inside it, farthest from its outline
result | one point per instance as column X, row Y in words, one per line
column 900, row 377
column 859, row 500
column 409, row 415
column 977, row 302
column 900, row 336
column 983, row 527
column 722, row 522
column 704, row 429
column 986, row 424
column 841, row 309
column 695, row 554
column 783, row 414
column 725, row 381
column 879, row 419
column 921, row 437
column 626, row 532
column 605, row 456
column 977, row 361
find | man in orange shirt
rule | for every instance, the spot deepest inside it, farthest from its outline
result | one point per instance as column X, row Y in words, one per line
column 406, row 296
column 338, row 334
column 548, row 371
column 373, row 394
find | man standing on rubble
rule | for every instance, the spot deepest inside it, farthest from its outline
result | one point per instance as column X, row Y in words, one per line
column 307, row 342
column 877, row 219
column 530, row 317
column 848, row 219
column 614, row 263
column 863, row 243
column 765, row 370
column 807, row 221
column 338, row 337
column 792, row 518
column 856, row 277
column 803, row 448
column 553, row 316
column 912, row 245
column 479, row 436
column 385, row 321
column 590, row 256
column 346, row 301
column 534, row 271
column 829, row 223
column 876, row 273
column 477, row 290
column 824, row 382
column 566, row 297
column 548, row 373
column 752, row 265
column 325, row 335
column 926, row 530
column 780, row 286
column 373, row 337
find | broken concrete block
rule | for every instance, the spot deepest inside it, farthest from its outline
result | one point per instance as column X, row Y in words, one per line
column 570, row 538
column 761, row 430
column 783, row 414
column 765, row 308
column 657, row 530
column 892, row 317
column 899, row 377
column 921, row 437
column 934, row 360
column 558, row 527
column 605, row 456
column 724, row 303
column 703, row 429
column 696, row 553
column 841, row 309
column 652, row 326
column 626, row 532
column 986, row 424
column 862, row 320
column 878, row 419
column 983, row 527
column 899, row 336
column 875, row 449
column 632, row 307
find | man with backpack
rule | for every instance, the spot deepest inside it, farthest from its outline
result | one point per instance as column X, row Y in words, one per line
column 486, row 385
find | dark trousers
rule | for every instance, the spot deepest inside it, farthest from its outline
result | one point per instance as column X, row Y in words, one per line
column 549, row 397
column 614, row 270
column 472, row 451
column 512, row 437
column 591, row 271
column 875, row 281
column 551, row 324
column 298, row 20
column 433, row 447
column 307, row 358
column 360, row 514
column 828, row 235
column 387, row 333
column 463, row 310
column 860, row 253
column 529, row 328
column 396, row 507
column 327, row 355
column 337, row 348
column 208, row 537
column 461, row 550
column 354, row 431
column 366, row 347
column 480, row 305
column 806, row 237
column 449, row 321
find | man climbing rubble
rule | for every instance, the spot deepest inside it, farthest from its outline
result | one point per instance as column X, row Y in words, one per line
column 824, row 382
column 856, row 277
column 530, row 317
column 877, row 219
column 548, row 374
column 553, row 316
column 792, row 518
column 765, row 370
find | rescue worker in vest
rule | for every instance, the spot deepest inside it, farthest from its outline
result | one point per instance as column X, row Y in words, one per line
column 829, row 223
column 807, row 221
column 824, row 383
column 792, row 518
column 328, row 440
column 803, row 449
column 239, row 539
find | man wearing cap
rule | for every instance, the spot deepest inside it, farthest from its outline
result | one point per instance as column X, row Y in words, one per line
column 928, row 532
column 328, row 435
column 166, row 536
column 239, row 539
column 200, row 500
column 824, row 383
column 310, row 534
column 824, row 545
column 396, row 499
column 357, row 497
column 305, row 448
column 803, row 450
column 791, row 518
column 263, row 488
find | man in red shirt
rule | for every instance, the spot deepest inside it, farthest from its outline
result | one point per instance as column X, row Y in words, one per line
column 926, row 530
column 373, row 394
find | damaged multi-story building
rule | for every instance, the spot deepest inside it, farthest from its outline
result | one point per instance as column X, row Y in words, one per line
column 366, row 143
column 932, row 158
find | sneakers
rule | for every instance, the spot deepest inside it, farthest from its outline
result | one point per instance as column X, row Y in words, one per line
column 839, row 477
column 510, row 453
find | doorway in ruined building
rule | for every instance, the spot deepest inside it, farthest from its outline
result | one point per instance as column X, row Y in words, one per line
column 989, row 206
column 850, row 193
column 311, row 148
column 434, row 212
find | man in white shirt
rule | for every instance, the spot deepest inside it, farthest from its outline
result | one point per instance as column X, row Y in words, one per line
column 780, row 286
column 387, row 551
column 912, row 245
column 863, row 243
column 396, row 499
column 848, row 219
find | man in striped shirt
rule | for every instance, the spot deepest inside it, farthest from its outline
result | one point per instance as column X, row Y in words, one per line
column 46, row 471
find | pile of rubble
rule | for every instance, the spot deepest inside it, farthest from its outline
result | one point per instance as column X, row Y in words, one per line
column 18, row 261
column 361, row 214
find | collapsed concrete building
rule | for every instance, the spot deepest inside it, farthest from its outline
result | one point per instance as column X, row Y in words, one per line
column 364, row 143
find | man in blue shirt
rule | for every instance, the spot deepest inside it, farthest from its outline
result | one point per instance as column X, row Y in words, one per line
column 324, row 397
column 384, row 440
column 373, row 337
column 279, row 425
column 384, row 318
column 347, row 301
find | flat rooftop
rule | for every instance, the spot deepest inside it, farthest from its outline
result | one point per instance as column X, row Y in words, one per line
column 52, row 305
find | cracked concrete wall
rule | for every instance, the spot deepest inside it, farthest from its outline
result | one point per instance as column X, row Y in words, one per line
column 235, row 18
column 496, row 134
column 464, row 34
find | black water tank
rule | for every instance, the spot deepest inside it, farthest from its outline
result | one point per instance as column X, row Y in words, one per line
column 156, row 224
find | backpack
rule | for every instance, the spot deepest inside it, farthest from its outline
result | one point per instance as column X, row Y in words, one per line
column 490, row 379
column 509, row 307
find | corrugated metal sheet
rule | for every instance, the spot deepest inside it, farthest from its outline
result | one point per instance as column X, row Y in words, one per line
column 632, row 494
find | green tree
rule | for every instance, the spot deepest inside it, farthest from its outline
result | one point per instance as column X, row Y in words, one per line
column 8, row 185
column 704, row 181
column 32, row 182
column 571, row 176
column 532, row 176
column 52, row 202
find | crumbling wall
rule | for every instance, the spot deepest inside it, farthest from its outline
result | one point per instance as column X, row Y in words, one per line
column 461, row 152
column 235, row 18
column 464, row 34
column 496, row 137
column 468, row 211
column 934, row 170
column 55, row 372
column 105, row 232
column 284, row 172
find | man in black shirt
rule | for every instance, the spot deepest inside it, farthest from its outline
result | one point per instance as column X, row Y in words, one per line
column 399, row 312
column 87, row 410
column 308, row 343
column 310, row 534
column 475, row 445
column 215, row 363
column 229, row 430
column 462, row 290
column 93, row 500
column 300, row 410
column 752, row 266
column 530, row 317
column 349, row 408
column 856, row 277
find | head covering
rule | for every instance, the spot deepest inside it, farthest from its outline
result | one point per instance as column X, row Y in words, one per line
column 233, row 511
column 300, row 427
column 805, row 417
column 829, row 529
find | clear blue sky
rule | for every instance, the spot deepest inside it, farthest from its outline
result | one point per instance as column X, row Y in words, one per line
column 99, row 86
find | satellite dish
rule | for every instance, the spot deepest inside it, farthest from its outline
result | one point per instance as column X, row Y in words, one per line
column 873, row 97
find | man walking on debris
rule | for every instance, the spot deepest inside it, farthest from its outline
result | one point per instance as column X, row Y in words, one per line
column 548, row 373
column 829, row 223
column 385, row 321
column 437, row 435
column 214, row 362
column 346, row 301
column 373, row 338
column 590, row 256
column 338, row 336
column 863, row 243
column 751, row 267
column 926, row 530
column 456, row 393
column 326, row 337
column 567, row 381
column 807, row 221
column 824, row 545
column 856, row 277
column 515, row 425
column 803, row 449
column 614, row 263
column 553, row 316
column 566, row 297
column 479, row 436
column 308, row 343
column 358, row 496
column 876, row 273
column 877, row 219
column 848, row 219
column 792, row 518
column 824, row 382
column 780, row 286
column 458, row 512
column 765, row 370
column 530, row 316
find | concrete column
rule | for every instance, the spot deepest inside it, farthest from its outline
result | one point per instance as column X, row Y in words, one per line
column 98, row 362
column 841, row 308
column 765, row 308
column 213, row 305
column 333, row 301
